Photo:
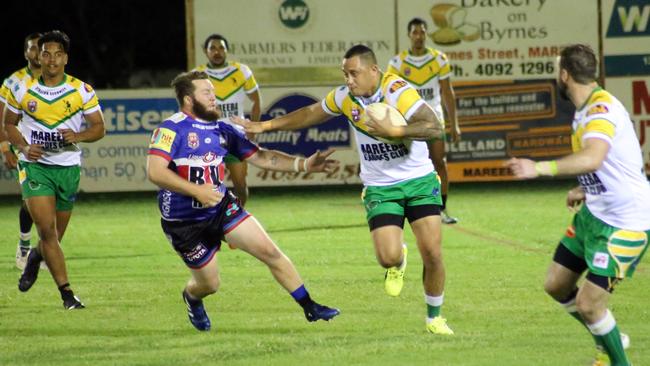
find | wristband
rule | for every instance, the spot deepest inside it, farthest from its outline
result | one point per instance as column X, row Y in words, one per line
column 295, row 164
column 552, row 165
column 304, row 164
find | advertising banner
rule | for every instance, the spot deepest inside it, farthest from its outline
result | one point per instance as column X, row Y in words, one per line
column 503, row 59
column 295, row 42
column 626, row 43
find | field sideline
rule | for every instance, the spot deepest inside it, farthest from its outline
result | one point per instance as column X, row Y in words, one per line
column 121, row 266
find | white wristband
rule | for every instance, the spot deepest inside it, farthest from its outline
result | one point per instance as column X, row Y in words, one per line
column 295, row 164
column 304, row 164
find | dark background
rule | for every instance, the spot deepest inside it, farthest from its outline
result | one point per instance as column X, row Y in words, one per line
column 113, row 43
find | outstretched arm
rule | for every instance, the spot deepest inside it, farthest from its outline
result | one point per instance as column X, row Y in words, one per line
column 449, row 103
column 301, row 118
column 587, row 160
column 277, row 160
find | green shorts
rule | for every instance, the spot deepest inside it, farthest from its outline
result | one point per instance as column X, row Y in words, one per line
column 62, row 182
column 392, row 199
column 231, row 159
column 607, row 250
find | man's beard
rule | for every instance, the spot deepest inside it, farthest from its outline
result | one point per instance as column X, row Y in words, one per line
column 203, row 113
column 562, row 90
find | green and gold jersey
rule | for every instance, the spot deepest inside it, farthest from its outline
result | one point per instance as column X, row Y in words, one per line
column 618, row 192
column 424, row 74
column 47, row 109
column 232, row 84
column 383, row 163
column 12, row 80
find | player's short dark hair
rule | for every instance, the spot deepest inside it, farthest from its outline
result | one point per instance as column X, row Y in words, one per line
column 365, row 53
column 579, row 60
column 415, row 22
column 55, row 36
column 215, row 36
column 183, row 85
column 29, row 38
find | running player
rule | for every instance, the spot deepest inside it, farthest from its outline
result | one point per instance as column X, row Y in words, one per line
column 399, row 178
column 185, row 160
column 609, row 233
column 53, row 108
column 10, row 159
column 233, row 84
column 429, row 71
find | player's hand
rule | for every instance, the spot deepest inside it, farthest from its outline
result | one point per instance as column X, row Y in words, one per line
column 32, row 152
column 251, row 126
column 455, row 133
column 9, row 159
column 69, row 136
column 382, row 127
column 208, row 195
column 522, row 168
column 574, row 199
column 319, row 162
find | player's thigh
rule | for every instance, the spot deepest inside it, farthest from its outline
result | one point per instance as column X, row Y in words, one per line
column 387, row 241
column 43, row 212
column 560, row 280
column 428, row 235
column 593, row 299
column 250, row 237
column 207, row 275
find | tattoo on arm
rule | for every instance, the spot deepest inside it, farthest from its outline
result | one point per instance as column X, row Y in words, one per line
column 423, row 124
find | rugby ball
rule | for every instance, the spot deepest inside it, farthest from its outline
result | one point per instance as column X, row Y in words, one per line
column 379, row 112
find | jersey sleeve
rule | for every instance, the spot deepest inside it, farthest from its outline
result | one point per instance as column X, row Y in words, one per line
column 599, row 122
column 404, row 97
column 4, row 90
column 14, row 97
column 445, row 66
column 393, row 66
column 251, row 84
column 164, row 141
column 89, row 97
column 329, row 103
column 237, row 144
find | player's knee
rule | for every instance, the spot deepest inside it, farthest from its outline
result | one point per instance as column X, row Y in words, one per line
column 554, row 289
column 269, row 253
column 211, row 286
column 586, row 308
column 391, row 259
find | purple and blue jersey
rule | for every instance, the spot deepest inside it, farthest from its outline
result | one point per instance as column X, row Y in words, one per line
column 195, row 151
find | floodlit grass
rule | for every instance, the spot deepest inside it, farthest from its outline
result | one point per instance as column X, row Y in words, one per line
column 130, row 279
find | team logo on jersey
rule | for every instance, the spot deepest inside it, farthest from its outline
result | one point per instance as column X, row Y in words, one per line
column 207, row 140
column 598, row 109
column 397, row 85
column 209, row 156
column 162, row 139
column 356, row 114
column 31, row 106
column 192, row 140
column 407, row 71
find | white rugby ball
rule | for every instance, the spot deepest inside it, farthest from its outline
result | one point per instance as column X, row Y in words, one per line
column 379, row 112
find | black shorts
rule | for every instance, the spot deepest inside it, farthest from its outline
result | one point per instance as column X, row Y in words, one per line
column 196, row 242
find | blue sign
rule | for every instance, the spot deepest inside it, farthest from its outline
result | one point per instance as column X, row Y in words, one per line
column 129, row 116
column 630, row 18
column 331, row 133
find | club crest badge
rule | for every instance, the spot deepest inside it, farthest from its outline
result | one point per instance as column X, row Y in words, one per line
column 356, row 115
column 192, row 140
column 32, row 105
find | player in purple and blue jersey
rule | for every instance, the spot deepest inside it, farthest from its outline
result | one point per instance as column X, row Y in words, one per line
column 186, row 160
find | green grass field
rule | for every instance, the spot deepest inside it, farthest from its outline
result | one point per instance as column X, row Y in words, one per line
column 123, row 269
